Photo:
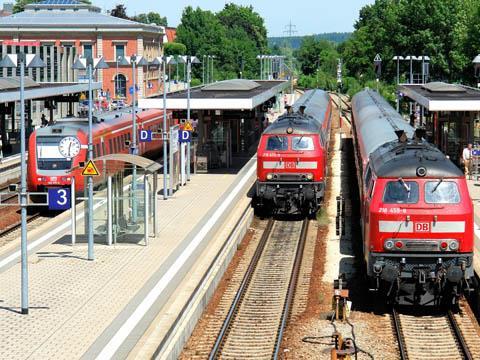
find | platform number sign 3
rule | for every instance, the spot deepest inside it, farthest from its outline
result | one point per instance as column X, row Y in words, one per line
column 59, row 199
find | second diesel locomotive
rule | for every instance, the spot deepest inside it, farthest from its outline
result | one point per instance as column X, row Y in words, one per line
column 416, row 212
column 292, row 157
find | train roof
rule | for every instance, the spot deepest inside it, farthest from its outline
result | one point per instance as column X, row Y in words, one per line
column 102, row 121
column 396, row 159
column 375, row 121
column 314, row 104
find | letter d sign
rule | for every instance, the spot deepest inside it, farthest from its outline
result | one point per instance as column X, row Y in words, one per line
column 184, row 136
column 145, row 135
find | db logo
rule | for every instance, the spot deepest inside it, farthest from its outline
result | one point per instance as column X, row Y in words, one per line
column 290, row 165
column 422, row 227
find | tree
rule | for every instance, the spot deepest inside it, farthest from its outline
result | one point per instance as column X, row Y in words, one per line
column 441, row 29
column 120, row 11
column 20, row 4
column 151, row 17
column 235, row 36
column 314, row 54
column 174, row 48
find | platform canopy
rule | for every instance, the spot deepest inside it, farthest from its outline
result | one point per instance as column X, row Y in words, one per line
column 10, row 89
column 236, row 94
column 440, row 96
column 148, row 165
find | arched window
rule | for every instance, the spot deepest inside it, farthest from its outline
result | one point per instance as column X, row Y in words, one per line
column 120, row 85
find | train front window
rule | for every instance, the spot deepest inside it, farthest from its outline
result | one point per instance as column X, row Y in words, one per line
column 277, row 143
column 401, row 192
column 49, row 156
column 302, row 143
column 441, row 192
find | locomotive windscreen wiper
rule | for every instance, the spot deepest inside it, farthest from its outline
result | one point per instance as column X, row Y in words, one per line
column 436, row 186
column 404, row 185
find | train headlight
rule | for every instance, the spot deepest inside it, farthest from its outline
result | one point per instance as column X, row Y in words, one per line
column 389, row 244
column 269, row 176
column 289, row 130
column 421, row 171
column 453, row 245
column 309, row 176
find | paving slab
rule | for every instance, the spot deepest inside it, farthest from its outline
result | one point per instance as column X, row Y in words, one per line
column 74, row 301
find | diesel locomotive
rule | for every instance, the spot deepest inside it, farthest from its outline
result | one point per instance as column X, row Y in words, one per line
column 292, row 157
column 416, row 211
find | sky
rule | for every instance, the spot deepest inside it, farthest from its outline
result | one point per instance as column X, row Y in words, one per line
column 308, row 16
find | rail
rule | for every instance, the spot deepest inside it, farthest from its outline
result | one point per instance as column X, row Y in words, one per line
column 346, row 108
column 272, row 328
column 440, row 336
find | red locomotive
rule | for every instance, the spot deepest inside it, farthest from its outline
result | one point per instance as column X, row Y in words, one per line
column 54, row 150
column 416, row 212
column 292, row 157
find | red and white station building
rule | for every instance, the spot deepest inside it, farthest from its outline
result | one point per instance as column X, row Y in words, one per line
column 61, row 30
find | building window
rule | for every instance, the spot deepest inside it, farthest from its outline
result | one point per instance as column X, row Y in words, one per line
column 87, row 50
column 119, row 51
column 120, row 85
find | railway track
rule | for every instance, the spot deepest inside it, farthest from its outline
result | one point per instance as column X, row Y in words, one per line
column 439, row 336
column 12, row 227
column 254, row 325
column 346, row 108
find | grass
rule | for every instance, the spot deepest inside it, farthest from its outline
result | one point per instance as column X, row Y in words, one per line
column 322, row 217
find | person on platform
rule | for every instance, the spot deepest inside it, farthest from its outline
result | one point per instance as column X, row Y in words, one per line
column 467, row 161
column 44, row 120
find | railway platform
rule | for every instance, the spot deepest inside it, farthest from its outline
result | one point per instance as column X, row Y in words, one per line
column 126, row 300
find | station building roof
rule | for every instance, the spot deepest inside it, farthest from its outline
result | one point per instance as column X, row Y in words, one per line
column 52, row 15
column 440, row 96
column 237, row 94
column 10, row 89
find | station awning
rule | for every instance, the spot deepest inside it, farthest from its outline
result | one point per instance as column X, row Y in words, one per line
column 237, row 94
column 440, row 96
column 148, row 165
column 44, row 90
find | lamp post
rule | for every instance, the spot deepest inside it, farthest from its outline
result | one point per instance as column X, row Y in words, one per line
column 203, row 70
column 135, row 61
column 212, row 78
column 397, row 58
column 89, row 64
column 162, row 64
column 190, row 60
column 30, row 61
column 259, row 57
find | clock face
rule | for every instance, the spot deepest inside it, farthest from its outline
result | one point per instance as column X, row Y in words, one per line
column 69, row 147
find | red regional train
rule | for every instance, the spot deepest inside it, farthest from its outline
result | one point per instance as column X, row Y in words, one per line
column 416, row 211
column 55, row 149
column 292, row 157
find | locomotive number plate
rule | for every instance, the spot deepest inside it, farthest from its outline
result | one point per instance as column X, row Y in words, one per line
column 422, row 227
column 290, row 165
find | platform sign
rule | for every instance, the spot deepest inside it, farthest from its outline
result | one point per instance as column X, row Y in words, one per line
column 475, row 152
column 174, row 137
column 59, row 199
column 145, row 135
column 185, row 136
column 90, row 169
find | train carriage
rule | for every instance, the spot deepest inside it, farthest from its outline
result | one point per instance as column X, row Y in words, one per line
column 292, row 157
column 56, row 149
column 416, row 212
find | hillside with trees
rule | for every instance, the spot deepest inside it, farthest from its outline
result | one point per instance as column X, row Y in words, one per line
column 296, row 41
